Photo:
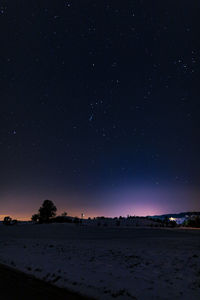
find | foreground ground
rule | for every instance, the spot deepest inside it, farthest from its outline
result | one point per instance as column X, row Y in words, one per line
column 106, row 263
column 17, row 285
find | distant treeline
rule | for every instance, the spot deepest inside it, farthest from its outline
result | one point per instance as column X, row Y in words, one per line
column 194, row 222
column 47, row 214
column 65, row 219
column 179, row 215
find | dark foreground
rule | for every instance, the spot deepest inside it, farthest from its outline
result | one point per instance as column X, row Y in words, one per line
column 17, row 285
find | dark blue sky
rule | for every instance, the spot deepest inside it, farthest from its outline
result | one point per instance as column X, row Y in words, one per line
column 98, row 95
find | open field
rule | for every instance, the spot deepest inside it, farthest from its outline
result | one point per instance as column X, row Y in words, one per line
column 107, row 263
column 17, row 285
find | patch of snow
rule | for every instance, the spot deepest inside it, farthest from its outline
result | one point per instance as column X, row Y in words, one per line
column 135, row 263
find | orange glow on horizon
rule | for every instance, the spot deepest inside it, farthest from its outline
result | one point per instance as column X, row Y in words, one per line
column 112, row 203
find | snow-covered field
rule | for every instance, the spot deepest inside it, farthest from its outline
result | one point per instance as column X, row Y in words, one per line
column 106, row 263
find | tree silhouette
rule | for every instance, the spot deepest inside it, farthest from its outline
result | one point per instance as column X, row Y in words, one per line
column 7, row 220
column 35, row 217
column 47, row 211
column 64, row 214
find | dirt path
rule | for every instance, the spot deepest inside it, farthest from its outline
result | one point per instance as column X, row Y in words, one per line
column 19, row 286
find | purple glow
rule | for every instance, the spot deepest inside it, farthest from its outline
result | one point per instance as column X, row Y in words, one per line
column 141, row 201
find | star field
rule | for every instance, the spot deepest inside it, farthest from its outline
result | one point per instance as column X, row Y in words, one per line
column 97, row 95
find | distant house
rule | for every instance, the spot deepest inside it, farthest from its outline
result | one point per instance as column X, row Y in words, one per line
column 178, row 221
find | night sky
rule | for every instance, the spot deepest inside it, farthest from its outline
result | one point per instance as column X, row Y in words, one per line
column 99, row 106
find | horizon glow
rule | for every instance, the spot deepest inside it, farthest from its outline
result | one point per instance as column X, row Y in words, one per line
column 114, row 203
